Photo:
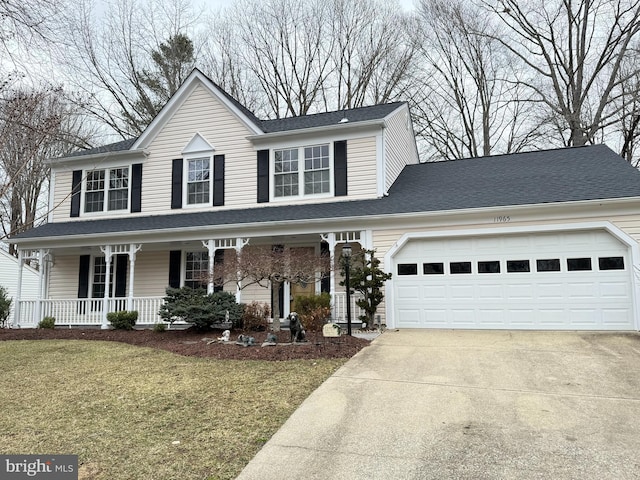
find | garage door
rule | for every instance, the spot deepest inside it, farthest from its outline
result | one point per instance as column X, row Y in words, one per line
column 550, row 281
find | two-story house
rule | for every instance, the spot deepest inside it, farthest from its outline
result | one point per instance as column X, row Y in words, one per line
column 540, row 240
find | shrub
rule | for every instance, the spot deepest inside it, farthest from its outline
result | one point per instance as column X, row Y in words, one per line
column 315, row 319
column 305, row 304
column 47, row 322
column 122, row 320
column 160, row 327
column 256, row 316
column 5, row 306
column 314, row 310
column 200, row 309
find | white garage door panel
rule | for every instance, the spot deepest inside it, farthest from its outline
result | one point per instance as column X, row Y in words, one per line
column 572, row 300
column 615, row 290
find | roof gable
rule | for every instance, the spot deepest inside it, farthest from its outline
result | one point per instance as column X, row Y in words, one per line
column 175, row 102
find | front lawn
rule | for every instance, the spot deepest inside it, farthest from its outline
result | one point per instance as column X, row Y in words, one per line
column 139, row 413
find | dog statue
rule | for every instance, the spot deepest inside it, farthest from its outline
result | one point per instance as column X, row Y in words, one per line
column 296, row 328
column 225, row 336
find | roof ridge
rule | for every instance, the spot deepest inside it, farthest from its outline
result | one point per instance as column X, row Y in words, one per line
column 329, row 112
column 539, row 152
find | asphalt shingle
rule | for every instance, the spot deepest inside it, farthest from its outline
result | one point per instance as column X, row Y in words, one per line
column 550, row 176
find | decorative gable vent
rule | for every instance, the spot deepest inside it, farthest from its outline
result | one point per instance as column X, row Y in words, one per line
column 198, row 144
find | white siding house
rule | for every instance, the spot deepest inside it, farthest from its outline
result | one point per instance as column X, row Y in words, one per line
column 533, row 240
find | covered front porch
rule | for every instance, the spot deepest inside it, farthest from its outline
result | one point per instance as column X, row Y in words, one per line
column 80, row 285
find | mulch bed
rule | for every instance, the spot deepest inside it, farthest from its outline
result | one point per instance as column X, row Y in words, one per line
column 195, row 344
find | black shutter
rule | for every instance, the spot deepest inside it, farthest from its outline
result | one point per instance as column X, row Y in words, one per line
column 263, row 176
column 175, row 262
column 325, row 282
column 121, row 275
column 176, row 183
column 218, row 261
column 83, row 276
column 136, row 187
column 218, row 180
column 340, row 168
column 76, row 188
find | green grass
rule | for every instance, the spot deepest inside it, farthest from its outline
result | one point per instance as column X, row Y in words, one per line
column 122, row 409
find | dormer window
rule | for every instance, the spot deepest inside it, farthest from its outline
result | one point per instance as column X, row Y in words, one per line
column 312, row 176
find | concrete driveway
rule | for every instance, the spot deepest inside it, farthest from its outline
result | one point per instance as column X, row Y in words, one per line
column 432, row 404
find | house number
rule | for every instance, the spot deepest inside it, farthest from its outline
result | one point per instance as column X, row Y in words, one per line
column 502, row 219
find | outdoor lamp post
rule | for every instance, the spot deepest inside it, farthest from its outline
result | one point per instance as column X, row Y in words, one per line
column 346, row 253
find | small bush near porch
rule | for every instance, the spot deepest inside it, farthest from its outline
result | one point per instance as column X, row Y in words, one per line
column 131, row 412
column 200, row 309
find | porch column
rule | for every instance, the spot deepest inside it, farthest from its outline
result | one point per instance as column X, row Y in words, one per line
column 240, row 244
column 211, row 248
column 330, row 238
column 133, row 249
column 41, row 254
column 107, row 286
column 16, row 310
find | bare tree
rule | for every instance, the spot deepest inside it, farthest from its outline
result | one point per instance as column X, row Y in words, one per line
column 125, row 65
column 287, row 46
column 372, row 54
column 468, row 101
column 573, row 51
column 286, row 58
column 221, row 60
column 35, row 125
column 270, row 266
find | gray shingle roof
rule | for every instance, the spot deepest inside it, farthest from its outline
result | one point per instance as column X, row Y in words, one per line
column 374, row 112
column 551, row 176
column 112, row 147
column 362, row 114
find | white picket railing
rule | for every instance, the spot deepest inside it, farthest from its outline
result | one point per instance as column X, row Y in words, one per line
column 340, row 307
column 87, row 311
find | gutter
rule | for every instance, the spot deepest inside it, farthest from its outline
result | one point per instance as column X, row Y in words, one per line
column 118, row 154
column 366, row 124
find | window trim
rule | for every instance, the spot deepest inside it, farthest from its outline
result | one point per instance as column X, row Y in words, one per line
column 186, row 158
column 220, row 252
column 105, row 201
column 301, row 172
column 576, row 259
column 183, row 266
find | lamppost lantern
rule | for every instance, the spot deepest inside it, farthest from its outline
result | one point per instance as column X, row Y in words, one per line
column 346, row 253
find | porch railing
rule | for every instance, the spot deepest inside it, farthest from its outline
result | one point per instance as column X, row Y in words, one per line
column 87, row 311
column 340, row 308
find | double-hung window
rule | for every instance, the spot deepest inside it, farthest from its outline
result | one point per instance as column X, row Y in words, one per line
column 198, row 180
column 286, row 173
column 111, row 184
column 316, row 169
column 196, row 273
column 302, row 171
